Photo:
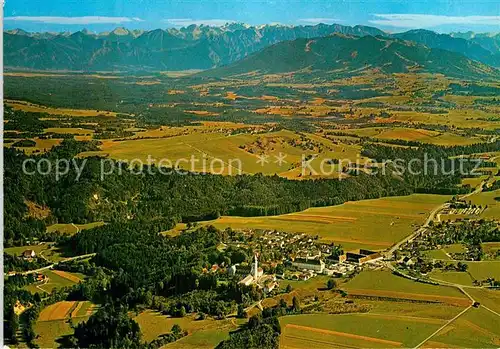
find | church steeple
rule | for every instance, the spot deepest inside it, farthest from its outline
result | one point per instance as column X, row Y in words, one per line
column 255, row 267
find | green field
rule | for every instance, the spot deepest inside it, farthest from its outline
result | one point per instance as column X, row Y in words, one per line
column 488, row 198
column 370, row 331
column 441, row 312
column 454, row 248
column 485, row 269
column 436, row 254
column 43, row 250
column 201, row 333
column 478, row 328
column 410, row 134
column 72, row 228
column 487, row 297
column 55, row 281
column 386, row 281
column 491, row 248
column 374, row 224
column 461, row 278
column 50, row 331
column 227, row 149
column 18, row 250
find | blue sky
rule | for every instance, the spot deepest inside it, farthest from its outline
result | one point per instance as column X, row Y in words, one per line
column 390, row 15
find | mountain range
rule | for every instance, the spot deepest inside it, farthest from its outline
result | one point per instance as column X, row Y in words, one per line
column 205, row 47
column 348, row 55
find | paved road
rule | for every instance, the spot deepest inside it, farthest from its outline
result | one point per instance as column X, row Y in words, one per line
column 440, row 282
column 54, row 264
column 429, row 219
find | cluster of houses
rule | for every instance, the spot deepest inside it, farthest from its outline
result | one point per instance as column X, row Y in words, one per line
column 303, row 255
column 464, row 211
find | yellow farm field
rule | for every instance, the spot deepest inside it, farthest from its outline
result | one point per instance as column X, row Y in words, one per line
column 57, row 311
column 384, row 284
column 70, row 130
column 201, row 333
column 352, row 331
column 420, row 135
column 30, row 107
column 67, row 275
column 375, row 224
column 221, row 154
column 53, row 322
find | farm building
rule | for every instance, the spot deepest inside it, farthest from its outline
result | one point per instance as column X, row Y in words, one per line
column 361, row 256
column 316, row 265
column 29, row 254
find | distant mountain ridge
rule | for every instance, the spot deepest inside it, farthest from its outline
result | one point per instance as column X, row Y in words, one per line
column 192, row 47
column 468, row 48
column 349, row 55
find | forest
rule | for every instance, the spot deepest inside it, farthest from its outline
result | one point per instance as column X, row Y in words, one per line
column 137, row 267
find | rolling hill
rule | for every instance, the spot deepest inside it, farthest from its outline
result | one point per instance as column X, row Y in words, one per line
column 468, row 48
column 348, row 55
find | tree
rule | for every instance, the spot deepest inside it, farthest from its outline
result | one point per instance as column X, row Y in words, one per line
column 239, row 256
column 226, row 260
column 295, row 304
column 182, row 311
column 176, row 329
column 283, row 303
column 11, row 325
column 288, row 288
column 255, row 321
column 462, row 266
column 331, row 284
column 241, row 311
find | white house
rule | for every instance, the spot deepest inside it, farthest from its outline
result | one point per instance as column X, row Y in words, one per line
column 316, row 265
column 29, row 254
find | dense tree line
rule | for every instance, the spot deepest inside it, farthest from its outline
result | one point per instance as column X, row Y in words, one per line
column 430, row 168
column 261, row 332
column 123, row 195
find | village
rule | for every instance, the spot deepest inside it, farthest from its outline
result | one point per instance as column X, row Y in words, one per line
column 279, row 256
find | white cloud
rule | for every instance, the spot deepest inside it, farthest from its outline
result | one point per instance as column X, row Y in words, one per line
column 73, row 20
column 184, row 22
column 319, row 20
column 429, row 21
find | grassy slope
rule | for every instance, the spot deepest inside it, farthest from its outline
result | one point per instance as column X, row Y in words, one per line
column 373, row 224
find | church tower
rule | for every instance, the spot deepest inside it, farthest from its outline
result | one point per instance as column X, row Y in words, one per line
column 255, row 267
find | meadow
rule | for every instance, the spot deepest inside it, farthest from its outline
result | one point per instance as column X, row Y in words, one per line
column 56, row 279
column 490, row 198
column 201, row 333
column 411, row 134
column 379, row 283
column 53, row 323
column 374, row 224
column 221, row 153
column 37, row 108
column 480, row 271
column 353, row 330
column 44, row 250
column 478, row 328
column 70, row 228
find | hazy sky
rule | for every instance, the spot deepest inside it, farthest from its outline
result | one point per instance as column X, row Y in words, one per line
column 390, row 15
